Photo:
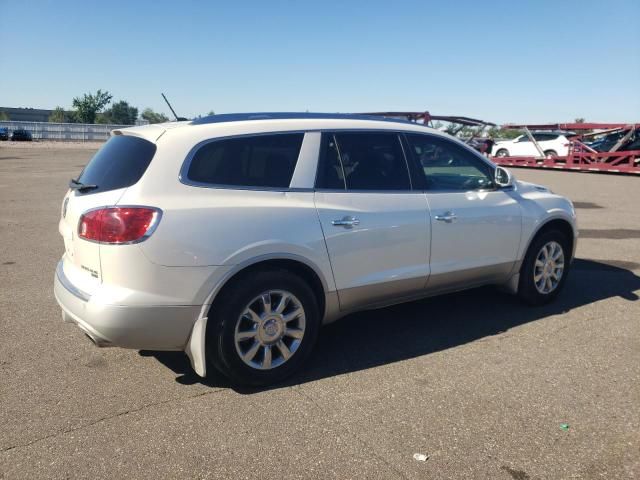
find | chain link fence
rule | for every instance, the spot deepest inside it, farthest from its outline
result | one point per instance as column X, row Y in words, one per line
column 63, row 132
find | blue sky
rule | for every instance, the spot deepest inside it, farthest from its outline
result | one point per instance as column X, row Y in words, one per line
column 504, row 61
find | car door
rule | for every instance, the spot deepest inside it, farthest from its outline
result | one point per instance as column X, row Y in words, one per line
column 376, row 227
column 523, row 146
column 475, row 227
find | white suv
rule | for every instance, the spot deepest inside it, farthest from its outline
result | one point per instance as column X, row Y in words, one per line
column 553, row 144
column 235, row 237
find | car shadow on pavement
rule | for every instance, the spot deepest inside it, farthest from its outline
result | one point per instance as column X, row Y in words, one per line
column 368, row 339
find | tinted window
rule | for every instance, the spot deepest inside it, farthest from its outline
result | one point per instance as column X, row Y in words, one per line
column 258, row 161
column 372, row 161
column 330, row 173
column 448, row 166
column 543, row 137
column 120, row 163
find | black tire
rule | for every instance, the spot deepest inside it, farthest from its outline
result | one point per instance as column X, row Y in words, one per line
column 527, row 290
column 503, row 152
column 225, row 315
column 550, row 153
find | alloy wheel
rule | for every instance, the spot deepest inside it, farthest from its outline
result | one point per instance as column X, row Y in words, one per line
column 548, row 267
column 270, row 329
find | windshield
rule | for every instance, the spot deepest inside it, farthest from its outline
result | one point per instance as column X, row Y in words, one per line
column 120, row 163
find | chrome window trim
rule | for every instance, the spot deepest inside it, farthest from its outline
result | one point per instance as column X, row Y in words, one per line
column 333, row 190
column 184, row 169
column 186, row 164
column 482, row 190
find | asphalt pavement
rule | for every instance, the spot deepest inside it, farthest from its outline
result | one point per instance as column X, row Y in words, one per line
column 480, row 384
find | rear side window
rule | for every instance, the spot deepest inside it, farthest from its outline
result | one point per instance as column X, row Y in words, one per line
column 253, row 161
column 120, row 163
column 363, row 161
column 544, row 137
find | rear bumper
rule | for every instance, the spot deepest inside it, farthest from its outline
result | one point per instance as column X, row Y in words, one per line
column 153, row 327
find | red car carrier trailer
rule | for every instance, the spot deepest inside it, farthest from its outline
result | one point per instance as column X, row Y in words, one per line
column 621, row 156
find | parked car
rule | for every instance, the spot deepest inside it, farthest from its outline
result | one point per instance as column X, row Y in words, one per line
column 4, row 133
column 235, row 237
column 553, row 144
column 607, row 142
column 21, row 135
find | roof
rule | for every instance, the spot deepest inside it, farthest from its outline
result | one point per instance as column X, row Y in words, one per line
column 240, row 117
column 230, row 124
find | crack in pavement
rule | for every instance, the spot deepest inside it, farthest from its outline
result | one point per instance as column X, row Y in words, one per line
column 106, row 418
column 298, row 389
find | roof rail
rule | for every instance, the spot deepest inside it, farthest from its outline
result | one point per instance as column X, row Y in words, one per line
column 240, row 117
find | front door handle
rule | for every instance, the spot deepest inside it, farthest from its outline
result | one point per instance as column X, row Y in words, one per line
column 447, row 217
column 346, row 222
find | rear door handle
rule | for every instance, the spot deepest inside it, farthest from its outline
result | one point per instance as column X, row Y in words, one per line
column 447, row 217
column 346, row 222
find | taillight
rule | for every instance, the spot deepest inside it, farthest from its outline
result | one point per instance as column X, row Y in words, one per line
column 118, row 224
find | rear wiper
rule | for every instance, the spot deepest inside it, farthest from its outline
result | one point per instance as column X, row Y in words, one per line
column 81, row 187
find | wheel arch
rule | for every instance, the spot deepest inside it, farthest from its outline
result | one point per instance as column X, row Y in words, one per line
column 196, row 345
column 556, row 223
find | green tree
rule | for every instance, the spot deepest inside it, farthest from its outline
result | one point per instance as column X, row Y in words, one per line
column 88, row 106
column 3, row 116
column 579, row 120
column 120, row 113
column 503, row 133
column 154, row 117
column 58, row 115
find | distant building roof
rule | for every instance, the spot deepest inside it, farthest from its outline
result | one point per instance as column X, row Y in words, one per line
column 27, row 114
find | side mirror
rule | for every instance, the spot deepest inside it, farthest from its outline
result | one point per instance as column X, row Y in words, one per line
column 503, row 177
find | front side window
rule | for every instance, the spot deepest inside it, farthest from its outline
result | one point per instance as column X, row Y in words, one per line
column 251, row 161
column 363, row 161
column 448, row 166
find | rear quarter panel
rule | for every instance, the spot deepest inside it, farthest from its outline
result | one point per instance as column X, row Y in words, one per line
column 203, row 226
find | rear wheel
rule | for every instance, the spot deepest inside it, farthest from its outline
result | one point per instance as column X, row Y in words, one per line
column 545, row 268
column 550, row 153
column 263, row 327
column 503, row 152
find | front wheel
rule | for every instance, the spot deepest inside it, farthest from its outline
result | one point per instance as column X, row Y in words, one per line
column 545, row 268
column 262, row 328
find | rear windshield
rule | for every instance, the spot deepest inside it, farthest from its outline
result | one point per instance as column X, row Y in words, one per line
column 120, row 163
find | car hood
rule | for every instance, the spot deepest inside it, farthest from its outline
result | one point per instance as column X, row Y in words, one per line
column 527, row 187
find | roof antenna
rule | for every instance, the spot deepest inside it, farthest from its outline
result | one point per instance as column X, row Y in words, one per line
column 178, row 119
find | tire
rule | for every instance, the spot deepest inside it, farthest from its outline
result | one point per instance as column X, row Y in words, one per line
column 533, row 292
column 550, row 153
column 241, row 311
column 503, row 152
